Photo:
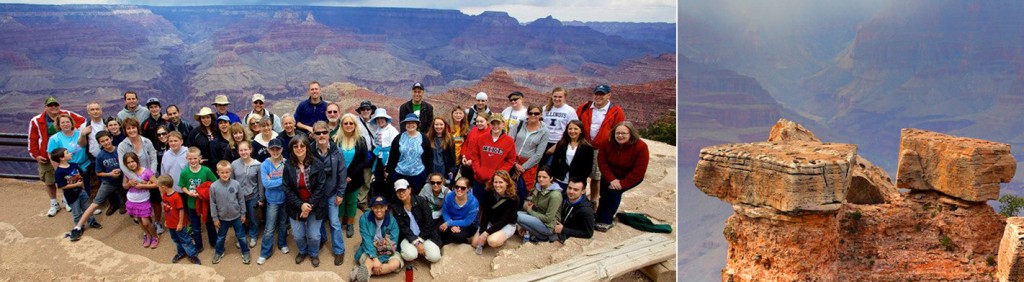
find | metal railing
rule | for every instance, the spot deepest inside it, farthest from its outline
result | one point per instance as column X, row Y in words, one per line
column 19, row 140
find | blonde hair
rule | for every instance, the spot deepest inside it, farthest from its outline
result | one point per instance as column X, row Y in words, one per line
column 165, row 181
column 346, row 140
column 223, row 164
column 237, row 128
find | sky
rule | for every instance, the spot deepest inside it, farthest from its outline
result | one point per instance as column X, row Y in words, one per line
column 523, row 10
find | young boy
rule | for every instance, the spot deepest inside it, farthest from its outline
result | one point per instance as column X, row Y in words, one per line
column 68, row 178
column 175, row 220
column 227, row 206
column 109, row 172
column 189, row 179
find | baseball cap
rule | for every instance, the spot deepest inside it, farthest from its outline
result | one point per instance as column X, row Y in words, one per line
column 401, row 184
column 153, row 100
column 275, row 143
column 224, row 118
column 603, row 89
column 379, row 201
column 515, row 93
column 481, row 96
column 51, row 100
column 257, row 97
column 496, row 117
column 418, row 85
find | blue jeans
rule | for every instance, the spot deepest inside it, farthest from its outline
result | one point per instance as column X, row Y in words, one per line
column 538, row 231
column 307, row 235
column 250, row 210
column 182, row 241
column 239, row 233
column 609, row 202
column 479, row 189
column 197, row 228
column 275, row 222
column 337, row 240
column 79, row 207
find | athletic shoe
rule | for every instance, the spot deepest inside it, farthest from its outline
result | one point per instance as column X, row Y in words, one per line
column 145, row 241
column 76, row 234
column 237, row 246
column 177, row 258
column 284, row 249
column 67, row 207
column 603, row 227
column 261, row 260
column 194, row 260
column 348, row 231
column 53, row 210
column 97, row 212
column 217, row 257
column 252, row 242
column 245, row 258
column 154, row 241
column 159, row 229
column 315, row 261
column 110, row 211
column 95, row 225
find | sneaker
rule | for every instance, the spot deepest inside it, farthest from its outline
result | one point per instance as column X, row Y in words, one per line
column 154, row 241
column 159, row 229
column 53, row 210
column 603, row 227
column 479, row 250
column 145, row 241
column 315, row 261
column 177, row 258
column 261, row 261
column 245, row 258
column 348, row 231
column 76, row 234
column 217, row 257
column 252, row 242
column 284, row 249
column 194, row 260
column 110, row 211
column 97, row 212
column 67, row 207
column 237, row 246
column 95, row 225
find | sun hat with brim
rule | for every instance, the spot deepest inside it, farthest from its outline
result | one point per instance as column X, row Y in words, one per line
column 381, row 113
column 411, row 118
column 204, row 111
column 221, row 100
column 366, row 105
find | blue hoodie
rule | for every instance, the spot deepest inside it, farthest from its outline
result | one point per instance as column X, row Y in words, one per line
column 460, row 216
column 273, row 186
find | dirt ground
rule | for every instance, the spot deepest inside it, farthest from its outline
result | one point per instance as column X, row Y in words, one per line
column 33, row 247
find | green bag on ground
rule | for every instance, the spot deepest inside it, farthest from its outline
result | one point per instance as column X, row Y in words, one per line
column 642, row 223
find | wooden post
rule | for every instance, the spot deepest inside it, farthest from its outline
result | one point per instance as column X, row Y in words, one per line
column 605, row 263
column 662, row 272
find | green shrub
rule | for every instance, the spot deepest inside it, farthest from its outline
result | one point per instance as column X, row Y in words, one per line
column 947, row 243
column 1009, row 205
column 663, row 129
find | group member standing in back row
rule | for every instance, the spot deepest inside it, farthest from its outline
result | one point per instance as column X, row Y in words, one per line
column 515, row 113
column 311, row 110
column 153, row 120
column 365, row 114
column 221, row 103
column 557, row 115
column 175, row 123
column 478, row 108
column 131, row 108
column 598, row 117
column 95, row 124
column 290, row 132
column 259, row 109
column 423, row 110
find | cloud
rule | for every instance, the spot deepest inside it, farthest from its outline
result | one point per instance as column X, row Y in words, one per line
column 523, row 10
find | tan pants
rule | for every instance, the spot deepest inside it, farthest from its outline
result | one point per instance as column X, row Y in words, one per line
column 365, row 189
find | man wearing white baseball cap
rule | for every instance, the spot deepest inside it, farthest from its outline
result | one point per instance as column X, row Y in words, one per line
column 259, row 108
column 479, row 107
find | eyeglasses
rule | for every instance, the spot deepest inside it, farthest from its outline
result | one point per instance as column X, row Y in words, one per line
column 161, row 133
column 321, row 132
column 481, row 100
column 460, row 187
column 534, row 113
column 332, row 112
column 348, row 123
column 435, row 182
column 300, row 145
column 364, row 109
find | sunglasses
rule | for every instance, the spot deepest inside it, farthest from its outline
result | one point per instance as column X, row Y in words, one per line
column 461, row 188
column 161, row 133
column 435, row 182
column 348, row 123
column 321, row 132
column 258, row 102
column 534, row 113
column 513, row 99
column 364, row 109
column 332, row 112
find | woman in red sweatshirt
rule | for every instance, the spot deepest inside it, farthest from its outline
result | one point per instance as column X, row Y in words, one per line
column 490, row 153
column 480, row 128
column 622, row 168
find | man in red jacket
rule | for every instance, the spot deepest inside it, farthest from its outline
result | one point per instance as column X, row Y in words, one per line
column 40, row 128
column 598, row 117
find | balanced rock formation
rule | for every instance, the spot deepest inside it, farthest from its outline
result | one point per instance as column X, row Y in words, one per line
column 789, row 228
column 870, row 184
column 966, row 168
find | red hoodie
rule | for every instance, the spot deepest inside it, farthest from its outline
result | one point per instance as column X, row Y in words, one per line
column 489, row 156
column 613, row 117
column 473, row 134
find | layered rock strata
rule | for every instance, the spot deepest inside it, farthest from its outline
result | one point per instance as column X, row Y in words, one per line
column 1011, row 251
column 965, row 168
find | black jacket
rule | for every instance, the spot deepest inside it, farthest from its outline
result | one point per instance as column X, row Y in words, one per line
column 361, row 160
column 396, row 154
column 184, row 128
column 213, row 151
column 426, row 114
column 582, row 163
column 314, row 181
column 426, row 222
column 497, row 215
column 577, row 220
column 448, row 155
column 334, row 171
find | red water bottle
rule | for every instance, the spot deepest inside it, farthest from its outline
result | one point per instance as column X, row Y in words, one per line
column 408, row 273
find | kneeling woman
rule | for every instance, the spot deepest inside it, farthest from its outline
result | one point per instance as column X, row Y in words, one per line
column 304, row 193
column 498, row 218
column 416, row 225
column 379, row 230
column 541, row 209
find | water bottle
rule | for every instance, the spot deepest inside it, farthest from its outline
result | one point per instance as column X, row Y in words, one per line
column 526, row 236
column 408, row 273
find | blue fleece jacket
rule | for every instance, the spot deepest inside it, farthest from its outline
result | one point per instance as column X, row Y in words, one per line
column 459, row 216
column 273, row 182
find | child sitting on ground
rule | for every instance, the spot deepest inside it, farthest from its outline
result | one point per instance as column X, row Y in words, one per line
column 175, row 220
column 227, row 206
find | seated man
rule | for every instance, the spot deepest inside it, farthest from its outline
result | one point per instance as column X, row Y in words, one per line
column 577, row 219
column 379, row 231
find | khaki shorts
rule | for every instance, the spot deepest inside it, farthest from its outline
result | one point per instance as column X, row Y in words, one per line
column 595, row 172
column 46, row 174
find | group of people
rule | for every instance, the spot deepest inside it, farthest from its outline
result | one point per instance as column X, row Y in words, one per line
column 469, row 176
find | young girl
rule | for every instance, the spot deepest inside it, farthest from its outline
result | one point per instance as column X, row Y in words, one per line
column 246, row 171
column 138, row 198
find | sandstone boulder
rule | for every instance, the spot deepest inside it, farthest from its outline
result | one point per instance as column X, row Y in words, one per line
column 870, row 184
column 965, row 168
column 1011, row 251
column 792, row 176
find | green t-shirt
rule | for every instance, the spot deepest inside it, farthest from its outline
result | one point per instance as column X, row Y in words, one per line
column 415, row 109
column 190, row 180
